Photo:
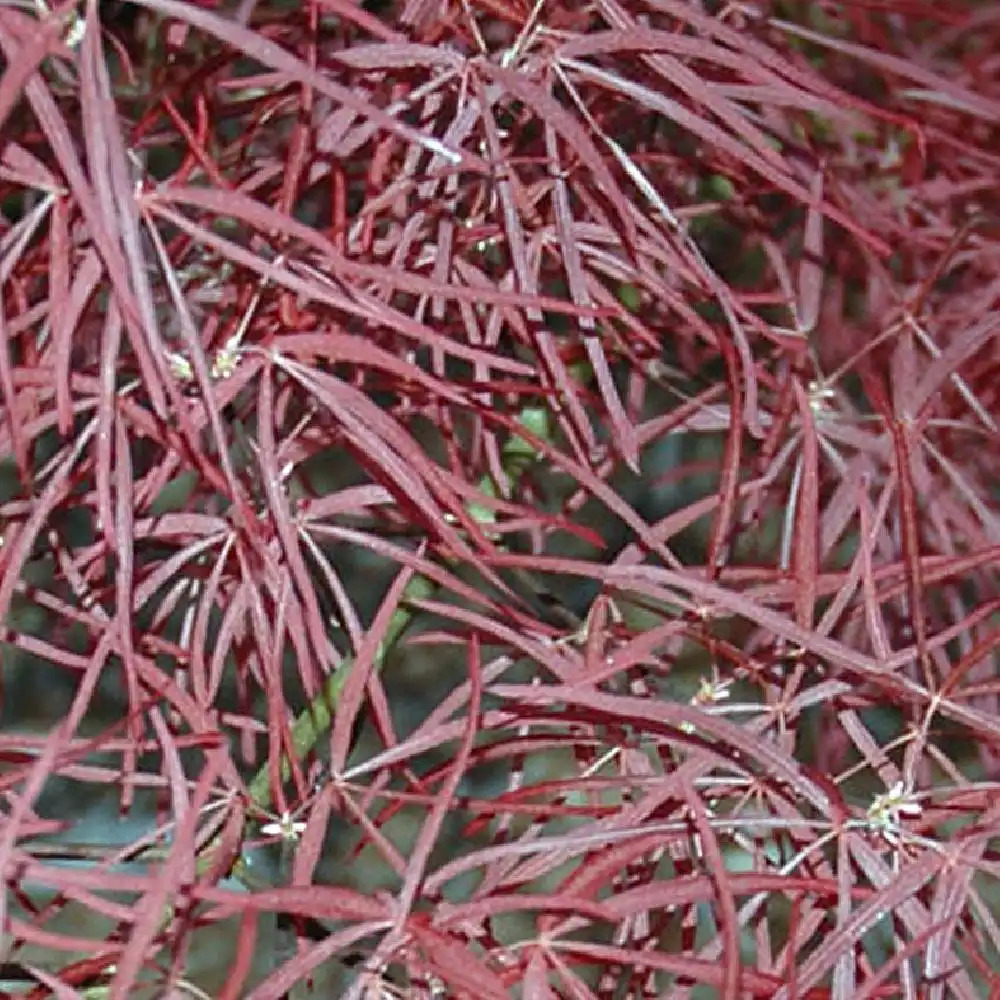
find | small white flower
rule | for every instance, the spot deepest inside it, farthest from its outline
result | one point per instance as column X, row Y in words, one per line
column 180, row 367
column 77, row 26
column 821, row 397
column 710, row 690
column 76, row 31
column 285, row 827
column 887, row 811
column 226, row 359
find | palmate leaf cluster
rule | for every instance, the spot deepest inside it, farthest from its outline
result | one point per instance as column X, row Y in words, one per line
column 502, row 496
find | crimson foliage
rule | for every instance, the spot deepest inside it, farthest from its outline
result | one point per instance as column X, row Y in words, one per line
column 534, row 465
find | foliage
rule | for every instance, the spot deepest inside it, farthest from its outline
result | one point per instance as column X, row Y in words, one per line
column 532, row 464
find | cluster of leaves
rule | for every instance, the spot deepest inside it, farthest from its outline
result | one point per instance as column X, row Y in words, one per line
column 627, row 369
